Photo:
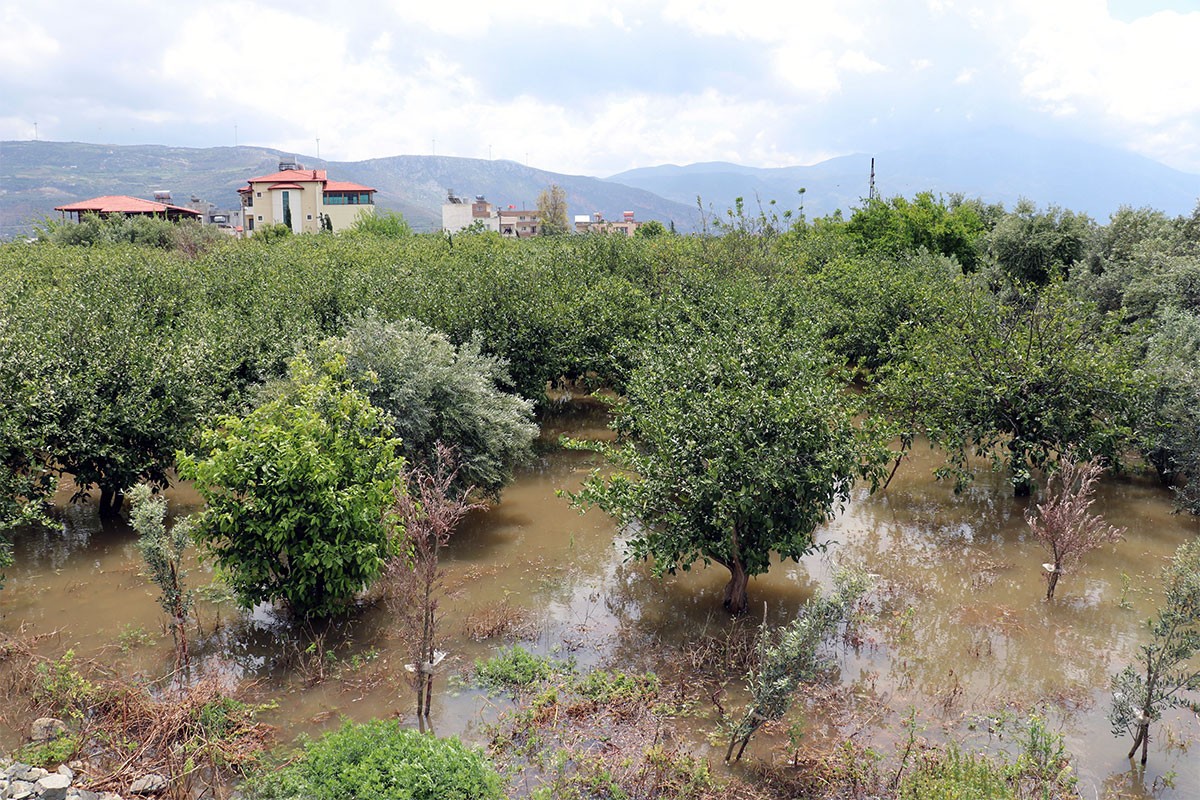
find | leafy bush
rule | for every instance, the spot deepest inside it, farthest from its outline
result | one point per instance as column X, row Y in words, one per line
column 515, row 669
column 432, row 391
column 380, row 761
column 295, row 494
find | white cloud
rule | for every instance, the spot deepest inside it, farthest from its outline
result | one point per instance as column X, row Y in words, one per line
column 25, row 45
column 1140, row 75
column 964, row 77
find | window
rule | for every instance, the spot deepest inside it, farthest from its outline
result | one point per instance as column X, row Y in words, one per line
column 347, row 199
column 258, row 194
column 252, row 223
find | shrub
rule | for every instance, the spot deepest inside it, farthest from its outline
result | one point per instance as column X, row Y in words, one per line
column 380, row 761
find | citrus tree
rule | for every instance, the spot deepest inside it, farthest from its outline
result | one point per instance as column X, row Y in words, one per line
column 295, row 494
column 734, row 442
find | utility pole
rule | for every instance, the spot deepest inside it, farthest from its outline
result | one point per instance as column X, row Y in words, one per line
column 35, row 135
column 871, row 191
column 318, row 148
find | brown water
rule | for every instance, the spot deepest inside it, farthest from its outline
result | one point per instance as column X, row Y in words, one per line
column 963, row 637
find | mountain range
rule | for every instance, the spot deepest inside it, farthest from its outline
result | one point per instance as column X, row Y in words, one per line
column 996, row 166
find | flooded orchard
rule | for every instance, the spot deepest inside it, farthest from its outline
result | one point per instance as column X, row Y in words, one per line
column 960, row 640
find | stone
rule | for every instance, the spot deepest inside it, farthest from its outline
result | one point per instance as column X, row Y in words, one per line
column 53, row 787
column 84, row 794
column 19, row 790
column 110, row 796
column 45, row 729
column 26, row 773
column 76, row 765
column 148, row 784
column 63, row 769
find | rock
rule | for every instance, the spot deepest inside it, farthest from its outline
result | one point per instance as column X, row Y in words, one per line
column 110, row 796
column 63, row 769
column 53, row 787
column 26, row 773
column 84, row 794
column 19, row 790
column 148, row 784
column 46, row 728
column 76, row 765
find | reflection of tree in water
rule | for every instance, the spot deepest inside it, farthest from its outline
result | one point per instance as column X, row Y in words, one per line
column 82, row 532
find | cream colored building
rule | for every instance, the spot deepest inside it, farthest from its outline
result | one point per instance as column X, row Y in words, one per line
column 459, row 213
column 303, row 197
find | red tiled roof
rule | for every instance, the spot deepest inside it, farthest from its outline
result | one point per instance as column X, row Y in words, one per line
column 123, row 204
column 346, row 186
column 291, row 175
column 275, row 186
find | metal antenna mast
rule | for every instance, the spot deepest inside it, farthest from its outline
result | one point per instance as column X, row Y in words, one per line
column 871, row 191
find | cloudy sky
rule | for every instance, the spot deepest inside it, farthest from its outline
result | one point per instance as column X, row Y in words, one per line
column 598, row 87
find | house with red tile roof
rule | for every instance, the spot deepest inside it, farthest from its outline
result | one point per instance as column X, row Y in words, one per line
column 119, row 204
column 303, row 199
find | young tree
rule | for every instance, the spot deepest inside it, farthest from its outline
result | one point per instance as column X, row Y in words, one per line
column 1166, row 668
column 296, row 494
column 433, row 392
column 736, row 443
column 1063, row 525
column 791, row 656
column 430, row 510
column 163, row 550
column 552, row 211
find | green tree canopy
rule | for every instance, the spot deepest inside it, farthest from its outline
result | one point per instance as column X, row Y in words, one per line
column 552, row 211
column 432, row 391
column 296, row 493
column 1016, row 382
column 736, row 442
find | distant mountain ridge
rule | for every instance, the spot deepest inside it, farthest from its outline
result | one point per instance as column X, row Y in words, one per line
column 37, row 176
column 997, row 166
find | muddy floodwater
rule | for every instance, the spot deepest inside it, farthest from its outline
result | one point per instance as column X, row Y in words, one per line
column 960, row 634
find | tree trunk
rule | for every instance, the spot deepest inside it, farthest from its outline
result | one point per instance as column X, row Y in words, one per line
column 735, row 591
column 1141, row 739
column 1052, row 581
column 110, row 501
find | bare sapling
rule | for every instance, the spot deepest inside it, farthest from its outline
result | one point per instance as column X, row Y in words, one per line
column 1063, row 524
column 429, row 508
column 163, row 552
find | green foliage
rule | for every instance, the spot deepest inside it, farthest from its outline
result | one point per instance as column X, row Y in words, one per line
column 898, row 227
column 93, row 230
column 432, row 391
column 378, row 760
column 552, row 211
column 60, row 687
column 736, row 443
column 1164, row 675
column 1169, row 425
column 269, row 234
column 650, row 229
column 516, row 669
column 1033, row 247
column 51, row 754
column 163, row 552
column 388, row 224
column 104, row 378
column 295, row 494
column 954, row 775
column 1016, row 382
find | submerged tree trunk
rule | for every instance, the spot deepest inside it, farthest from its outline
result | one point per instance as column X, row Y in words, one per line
column 1052, row 581
column 735, row 591
column 110, row 501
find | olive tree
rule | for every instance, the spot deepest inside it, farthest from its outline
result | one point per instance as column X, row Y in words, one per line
column 734, row 442
column 296, row 494
column 1165, row 673
column 432, row 392
column 163, row 551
